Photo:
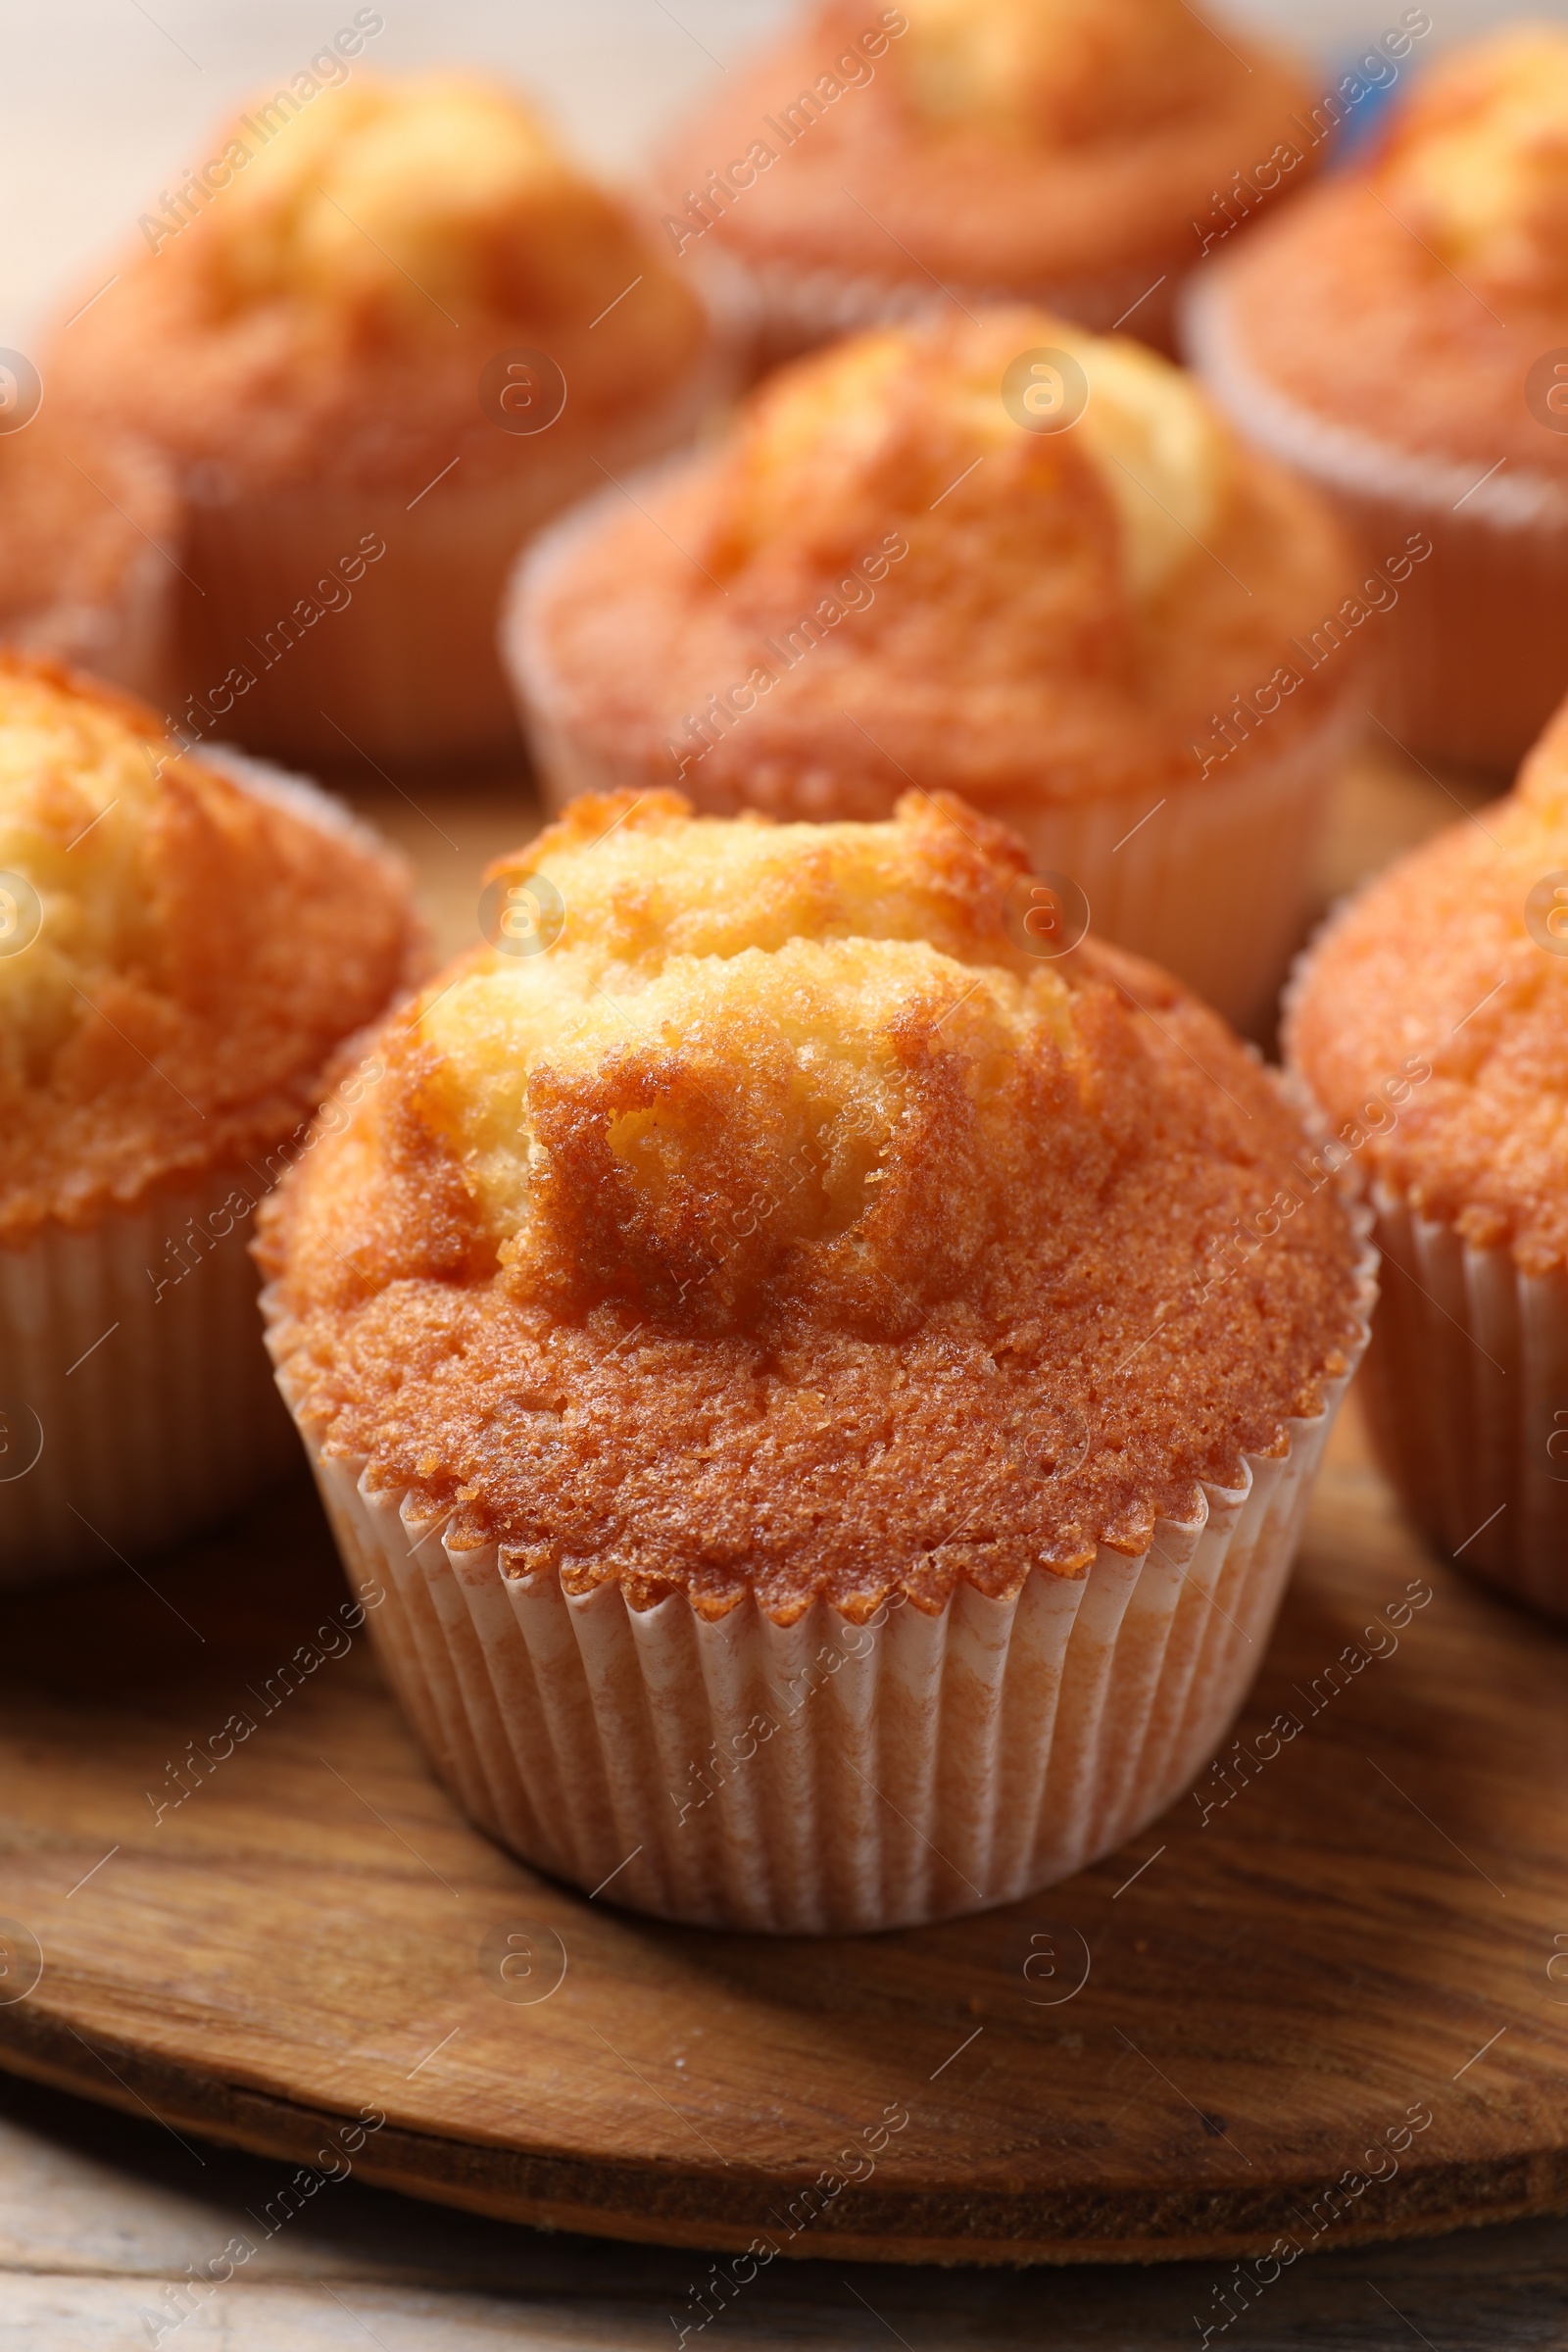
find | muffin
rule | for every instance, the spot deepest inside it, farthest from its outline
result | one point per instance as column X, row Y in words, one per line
column 85, row 575
column 797, row 1364
column 1001, row 557
column 181, row 949
column 1429, row 1023
column 397, row 333
column 1081, row 153
column 1401, row 338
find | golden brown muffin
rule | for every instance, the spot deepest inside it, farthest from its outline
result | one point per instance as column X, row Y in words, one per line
column 1402, row 337
column 84, row 524
column 988, row 1175
column 787, row 1237
column 1067, row 152
column 397, row 330
column 187, row 926
column 1435, row 966
column 892, row 572
column 1431, row 1024
column 182, row 953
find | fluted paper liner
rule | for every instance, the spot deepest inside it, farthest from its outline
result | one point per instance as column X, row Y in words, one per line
column 826, row 1775
column 1467, row 1395
column 1212, row 880
column 1473, row 660
column 407, row 663
column 795, row 308
column 154, row 1407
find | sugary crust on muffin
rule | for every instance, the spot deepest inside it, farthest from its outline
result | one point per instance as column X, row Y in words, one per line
column 884, row 578
column 1435, row 966
column 1101, row 160
column 804, row 1232
column 1409, row 301
column 337, row 300
column 75, row 519
column 202, row 951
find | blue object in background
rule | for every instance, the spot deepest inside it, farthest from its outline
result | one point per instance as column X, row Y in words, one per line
column 1365, row 117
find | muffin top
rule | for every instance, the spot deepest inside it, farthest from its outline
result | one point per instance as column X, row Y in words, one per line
column 344, row 275
column 1478, row 163
column 1054, row 73
column 1457, row 958
column 1423, row 299
column 179, row 956
column 1005, row 145
column 783, row 1223
column 895, row 570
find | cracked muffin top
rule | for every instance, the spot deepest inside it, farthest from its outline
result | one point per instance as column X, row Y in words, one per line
column 345, row 269
column 766, row 1212
column 1001, row 555
column 179, row 953
column 1004, row 146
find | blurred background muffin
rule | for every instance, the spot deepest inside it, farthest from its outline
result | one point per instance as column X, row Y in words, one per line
column 1064, row 152
column 379, row 338
column 761, row 1265
column 182, row 953
column 1001, row 558
column 85, row 521
column 1429, row 1023
column 1401, row 338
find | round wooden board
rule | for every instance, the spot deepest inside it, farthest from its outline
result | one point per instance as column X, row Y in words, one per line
column 314, row 1931
column 1366, row 1929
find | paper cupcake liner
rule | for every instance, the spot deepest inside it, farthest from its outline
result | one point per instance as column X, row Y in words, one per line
column 1474, row 661
column 400, row 662
column 826, row 1777
column 1212, row 880
column 137, row 1407
column 1218, row 884
column 795, row 311
column 1466, row 1389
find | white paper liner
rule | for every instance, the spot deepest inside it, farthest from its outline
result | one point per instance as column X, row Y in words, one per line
column 1474, row 659
column 1466, row 1389
column 822, row 1777
column 797, row 309
column 1217, row 885
column 155, row 1411
column 406, row 669
column 141, row 1365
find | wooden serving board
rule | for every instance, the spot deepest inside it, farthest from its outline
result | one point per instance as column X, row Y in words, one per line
column 1345, row 1957
column 1366, row 1927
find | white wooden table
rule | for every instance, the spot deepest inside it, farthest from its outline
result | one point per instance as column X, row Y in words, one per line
column 100, row 2216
